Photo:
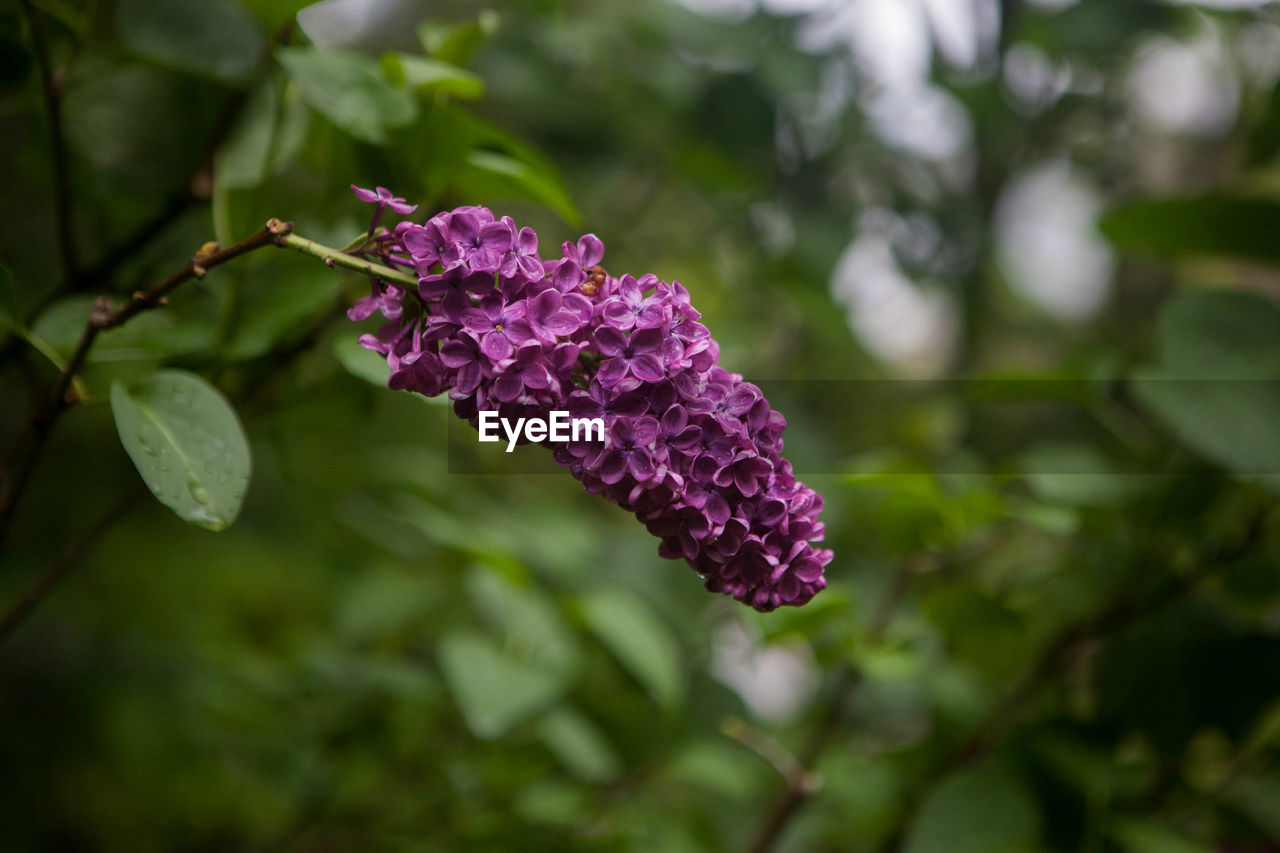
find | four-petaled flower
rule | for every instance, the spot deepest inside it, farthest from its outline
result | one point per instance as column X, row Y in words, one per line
column 382, row 197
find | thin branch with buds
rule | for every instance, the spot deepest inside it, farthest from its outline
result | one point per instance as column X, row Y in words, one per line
column 801, row 780
column 51, row 90
column 1125, row 610
column 66, row 562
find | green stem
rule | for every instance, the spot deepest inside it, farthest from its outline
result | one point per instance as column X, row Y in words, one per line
column 336, row 257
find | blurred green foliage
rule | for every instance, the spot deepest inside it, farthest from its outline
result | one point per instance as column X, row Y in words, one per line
column 1052, row 621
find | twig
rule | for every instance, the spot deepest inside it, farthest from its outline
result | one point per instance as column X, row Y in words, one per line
column 338, row 257
column 51, row 84
column 1127, row 608
column 103, row 316
column 51, row 90
column 62, row 565
column 197, row 189
column 167, row 215
column 66, row 561
column 850, row 677
column 800, row 777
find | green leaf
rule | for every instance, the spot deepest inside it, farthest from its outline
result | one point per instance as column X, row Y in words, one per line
column 187, row 443
column 383, row 603
column 10, row 312
column 1264, row 139
column 1219, row 334
column 496, row 174
column 640, row 642
column 454, row 43
column 217, row 38
column 1136, row 836
column 977, row 811
column 280, row 299
column 1075, row 475
column 579, row 745
column 349, row 89
column 723, row 769
column 461, row 152
column 187, row 327
column 1217, row 379
column 267, row 136
column 276, row 13
column 372, row 368
column 360, row 362
column 139, row 123
column 431, row 76
column 1198, row 225
column 554, row 803
column 1232, row 422
column 532, row 629
column 493, row 692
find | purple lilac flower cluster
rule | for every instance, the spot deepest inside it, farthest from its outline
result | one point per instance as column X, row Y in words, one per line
column 691, row 449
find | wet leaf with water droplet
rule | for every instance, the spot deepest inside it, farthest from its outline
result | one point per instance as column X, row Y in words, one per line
column 186, row 442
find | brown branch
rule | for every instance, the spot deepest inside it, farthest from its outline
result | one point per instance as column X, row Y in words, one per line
column 167, row 215
column 198, row 189
column 51, row 82
column 62, row 565
column 103, row 316
column 1125, row 610
column 801, row 780
column 65, row 562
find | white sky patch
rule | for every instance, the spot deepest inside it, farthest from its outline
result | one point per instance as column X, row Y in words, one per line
column 1047, row 242
column 1183, row 88
column 890, row 39
column 775, row 681
column 1033, row 79
column 925, row 120
column 913, row 327
column 955, row 30
column 1052, row 4
column 793, row 7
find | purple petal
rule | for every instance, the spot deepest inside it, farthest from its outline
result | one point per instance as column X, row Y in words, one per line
column 641, row 465
column 496, row 236
column 612, row 467
column 547, row 302
column 745, row 481
column 611, row 372
column 562, row 323
column 647, row 340
column 496, row 346
column 617, row 314
column 590, row 250
column 527, row 242
column 456, row 354
column 567, row 276
column 674, row 420
column 364, row 195
column 648, row 368
column 610, row 342
column 644, row 430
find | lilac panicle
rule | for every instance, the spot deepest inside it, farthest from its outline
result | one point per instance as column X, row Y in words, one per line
column 693, row 450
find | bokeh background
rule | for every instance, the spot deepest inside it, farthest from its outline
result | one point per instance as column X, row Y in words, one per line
column 1008, row 268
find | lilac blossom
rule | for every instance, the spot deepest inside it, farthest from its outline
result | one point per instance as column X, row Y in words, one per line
column 382, row 197
column 692, row 450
